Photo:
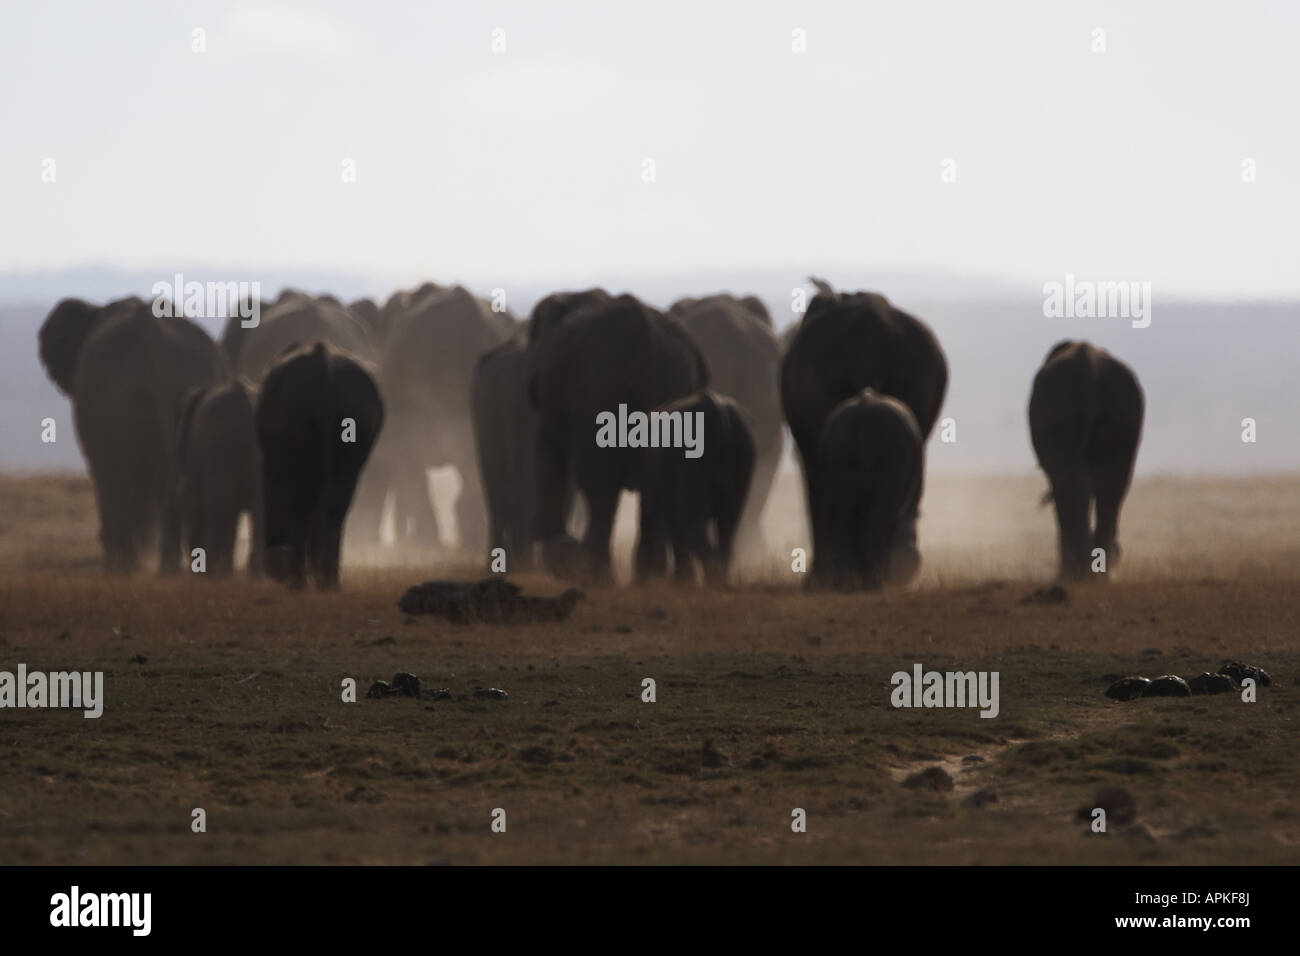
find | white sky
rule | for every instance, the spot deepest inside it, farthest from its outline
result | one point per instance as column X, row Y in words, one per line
column 527, row 164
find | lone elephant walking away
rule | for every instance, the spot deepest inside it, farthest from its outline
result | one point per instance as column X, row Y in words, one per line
column 318, row 416
column 1085, row 420
column 870, row 458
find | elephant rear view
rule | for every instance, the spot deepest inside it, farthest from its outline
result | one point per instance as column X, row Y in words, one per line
column 429, row 353
column 684, row 495
column 870, row 458
column 318, row 415
column 744, row 359
column 220, row 474
column 845, row 343
column 1085, row 420
column 592, row 356
column 127, row 372
column 505, row 438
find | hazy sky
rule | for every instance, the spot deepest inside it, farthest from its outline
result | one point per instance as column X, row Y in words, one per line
column 529, row 163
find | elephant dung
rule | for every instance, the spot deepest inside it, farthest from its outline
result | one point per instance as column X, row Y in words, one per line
column 1240, row 672
column 1169, row 685
column 380, row 688
column 1127, row 688
column 1207, row 683
column 489, row 601
column 407, row 685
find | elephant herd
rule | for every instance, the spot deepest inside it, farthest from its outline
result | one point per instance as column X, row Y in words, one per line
column 319, row 415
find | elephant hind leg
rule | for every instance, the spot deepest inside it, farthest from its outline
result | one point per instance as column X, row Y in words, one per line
column 115, row 534
column 222, row 529
column 1110, row 469
column 1073, row 497
column 196, row 529
column 729, row 519
column 472, row 510
column 603, row 504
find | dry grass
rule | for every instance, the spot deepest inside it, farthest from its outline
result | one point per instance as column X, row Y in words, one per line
column 236, row 706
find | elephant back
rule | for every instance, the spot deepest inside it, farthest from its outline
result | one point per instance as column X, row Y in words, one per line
column 847, row 342
column 295, row 319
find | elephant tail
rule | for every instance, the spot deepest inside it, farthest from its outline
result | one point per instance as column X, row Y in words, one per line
column 823, row 287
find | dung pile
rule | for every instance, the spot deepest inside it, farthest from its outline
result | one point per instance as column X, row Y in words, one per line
column 1229, row 677
column 489, row 601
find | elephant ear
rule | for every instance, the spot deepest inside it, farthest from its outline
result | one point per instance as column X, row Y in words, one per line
column 62, row 336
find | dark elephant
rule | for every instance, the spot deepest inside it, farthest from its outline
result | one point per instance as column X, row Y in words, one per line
column 318, row 415
column 744, row 359
column 425, row 365
column 1085, row 420
column 127, row 373
column 693, row 505
column 845, row 343
column 220, row 474
column 505, row 438
column 294, row 319
column 591, row 355
column 505, row 433
column 870, row 459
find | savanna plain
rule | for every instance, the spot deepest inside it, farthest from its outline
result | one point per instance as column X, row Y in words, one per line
column 227, row 696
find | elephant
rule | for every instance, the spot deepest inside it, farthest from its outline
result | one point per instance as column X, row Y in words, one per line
column 220, row 474
column 1085, row 421
column 870, row 458
column 318, row 415
column 127, row 372
column 505, row 436
column 505, row 439
column 744, row 359
column 295, row 318
column 847, row 342
column 425, row 367
column 684, row 498
column 750, row 303
column 591, row 355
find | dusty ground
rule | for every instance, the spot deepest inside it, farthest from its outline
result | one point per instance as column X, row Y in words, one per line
column 226, row 696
